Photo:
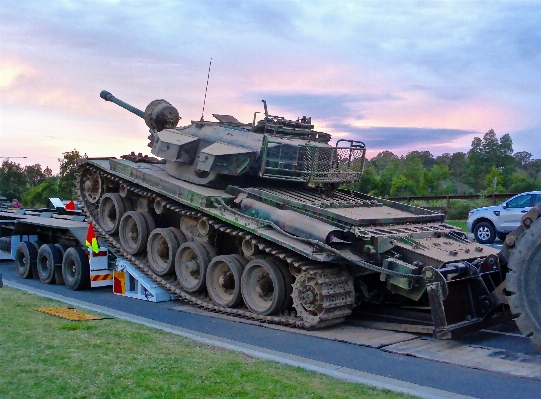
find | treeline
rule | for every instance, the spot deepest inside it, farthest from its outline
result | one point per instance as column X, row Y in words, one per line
column 420, row 173
column 32, row 185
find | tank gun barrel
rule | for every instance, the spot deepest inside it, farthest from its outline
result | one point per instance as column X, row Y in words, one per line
column 109, row 97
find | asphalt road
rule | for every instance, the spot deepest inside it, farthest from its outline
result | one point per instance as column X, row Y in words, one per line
column 448, row 377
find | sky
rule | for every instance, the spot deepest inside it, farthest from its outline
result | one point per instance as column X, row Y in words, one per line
column 397, row 75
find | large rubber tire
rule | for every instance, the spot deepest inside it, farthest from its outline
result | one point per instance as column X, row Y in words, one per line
column 263, row 287
column 224, row 274
column 133, row 232
column 191, row 262
column 5, row 244
column 162, row 247
column 76, row 269
column 26, row 256
column 484, row 233
column 524, row 283
column 111, row 209
column 59, row 278
column 49, row 259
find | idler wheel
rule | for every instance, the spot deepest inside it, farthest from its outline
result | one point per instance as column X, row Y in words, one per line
column 262, row 287
column 49, row 259
column 191, row 264
column 76, row 269
column 162, row 247
column 112, row 208
column 26, row 256
column 133, row 232
column 524, row 283
column 224, row 274
column 92, row 186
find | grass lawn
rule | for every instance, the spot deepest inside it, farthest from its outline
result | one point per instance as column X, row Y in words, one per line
column 42, row 356
column 458, row 223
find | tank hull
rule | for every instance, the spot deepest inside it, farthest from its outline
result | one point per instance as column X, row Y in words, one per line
column 375, row 243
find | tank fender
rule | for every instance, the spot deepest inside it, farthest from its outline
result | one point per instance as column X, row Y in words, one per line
column 293, row 222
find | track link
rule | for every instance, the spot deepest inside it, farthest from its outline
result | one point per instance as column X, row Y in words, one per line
column 337, row 292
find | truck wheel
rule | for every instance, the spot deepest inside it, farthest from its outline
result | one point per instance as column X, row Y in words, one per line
column 5, row 244
column 191, row 262
column 263, row 287
column 76, row 269
column 133, row 232
column 49, row 258
column 484, row 233
column 223, row 280
column 524, row 283
column 26, row 256
column 162, row 248
column 112, row 208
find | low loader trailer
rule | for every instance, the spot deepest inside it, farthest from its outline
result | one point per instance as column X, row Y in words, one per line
column 51, row 246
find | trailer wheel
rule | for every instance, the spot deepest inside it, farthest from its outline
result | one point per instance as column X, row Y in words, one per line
column 162, row 248
column 133, row 232
column 262, row 287
column 191, row 262
column 76, row 269
column 524, row 283
column 49, row 259
column 224, row 274
column 110, row 211
column 5, row 244
column 26, row 256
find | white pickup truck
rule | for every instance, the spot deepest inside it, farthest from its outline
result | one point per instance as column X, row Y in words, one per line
column 496, row 221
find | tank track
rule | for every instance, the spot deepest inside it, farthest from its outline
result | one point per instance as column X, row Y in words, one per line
column 338, row 294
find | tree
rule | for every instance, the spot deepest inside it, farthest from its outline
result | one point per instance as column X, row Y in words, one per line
column 368, row 182
column 37, row 196
column 486, row 154
column 68, row 166
column 34, row 174
column 382, row 160
column 13, row 180
column 437, row 180
column 522, row 158
column 426, row 158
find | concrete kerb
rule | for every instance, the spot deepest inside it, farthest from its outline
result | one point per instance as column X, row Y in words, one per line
column 338, row 372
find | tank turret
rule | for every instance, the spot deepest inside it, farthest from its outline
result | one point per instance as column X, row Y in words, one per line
column 205, row 152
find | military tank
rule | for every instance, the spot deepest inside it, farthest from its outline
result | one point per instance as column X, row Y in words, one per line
column 256, row 220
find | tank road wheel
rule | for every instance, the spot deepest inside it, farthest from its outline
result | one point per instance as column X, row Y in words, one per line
column 162, row 247
column 262, row 287
column 524, row 283
column 323, row 296
column 133, row 231
column 92, row 186
column 26, row 256
column 288, row 281
column 76, row 269
column 49, row 259
column 224, row 274
column 179, row 235
column 191, row 264
column 112, row 208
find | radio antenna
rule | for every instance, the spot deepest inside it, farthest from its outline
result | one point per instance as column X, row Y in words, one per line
column 206, row 88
